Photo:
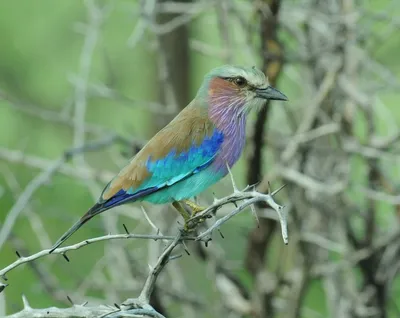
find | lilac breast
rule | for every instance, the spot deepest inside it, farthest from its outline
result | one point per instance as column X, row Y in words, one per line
column 234, row 132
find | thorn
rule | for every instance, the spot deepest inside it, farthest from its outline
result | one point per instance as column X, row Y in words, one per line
column 2, row 287
column 206, row 242
column 65, row 256
column 4, row 277
column 148, row 218
column 87, row 242
column 235, row 189
column 279, row 189
column 255, row 184
column 125, row 228
column 235, row 204
column 67, row 155
column 18, row 254
column 254, row 212
column 171, row 258
column 251, row 187
column 70, row 300
column 116, row 305
column 85, row 303
column 220, row 233
column 269, row 188
column 185, row 248
column 25, row 302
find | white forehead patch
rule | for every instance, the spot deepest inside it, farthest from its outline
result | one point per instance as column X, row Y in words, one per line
column 252, row 74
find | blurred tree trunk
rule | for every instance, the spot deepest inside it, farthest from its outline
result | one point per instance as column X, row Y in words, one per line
column 175, row 48
column 259, row 237
column 174, row 53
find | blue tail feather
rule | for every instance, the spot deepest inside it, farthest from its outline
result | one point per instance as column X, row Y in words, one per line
column 123, row 196
column 119, row 198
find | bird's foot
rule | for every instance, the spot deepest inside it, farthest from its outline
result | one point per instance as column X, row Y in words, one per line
column 190, row 224
column 186, row 216
column 194, row 206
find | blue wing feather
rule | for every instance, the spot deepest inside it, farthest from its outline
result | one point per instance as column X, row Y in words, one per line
column 177, row 166
column 171, row 169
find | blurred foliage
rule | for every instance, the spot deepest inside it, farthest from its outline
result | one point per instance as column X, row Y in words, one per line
column 40, row 56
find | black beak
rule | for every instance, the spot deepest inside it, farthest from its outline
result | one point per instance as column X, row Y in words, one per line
column 270, row 93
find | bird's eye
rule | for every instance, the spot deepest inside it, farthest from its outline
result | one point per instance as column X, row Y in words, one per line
column 240, row 81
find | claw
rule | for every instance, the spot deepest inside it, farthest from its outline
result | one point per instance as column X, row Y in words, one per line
column 189, row 226
column 195, row 207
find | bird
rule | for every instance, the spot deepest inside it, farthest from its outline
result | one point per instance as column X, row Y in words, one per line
column 195, row 150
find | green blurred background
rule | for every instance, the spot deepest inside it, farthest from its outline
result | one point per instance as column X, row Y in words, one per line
column 44, row 57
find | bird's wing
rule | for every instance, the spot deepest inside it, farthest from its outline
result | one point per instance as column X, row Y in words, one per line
column 184, row 147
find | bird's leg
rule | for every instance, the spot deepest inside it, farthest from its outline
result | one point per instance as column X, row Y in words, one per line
column 195, row 207
column 186, row 216
column 181, row 210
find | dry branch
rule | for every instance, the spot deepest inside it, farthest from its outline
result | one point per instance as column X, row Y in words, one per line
column 142, row 302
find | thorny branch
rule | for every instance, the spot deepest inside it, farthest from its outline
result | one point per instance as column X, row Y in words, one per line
column 44, row 177
column 143, row 301
column 249, row 198
column 335, row 145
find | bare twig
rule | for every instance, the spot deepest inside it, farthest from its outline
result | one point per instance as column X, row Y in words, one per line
column 249, row 198
column 63, row 250
column 84, row 311
column 95, row 15
column 161, row 262
column 43, row 178
column 24, row 198
column 312, row 109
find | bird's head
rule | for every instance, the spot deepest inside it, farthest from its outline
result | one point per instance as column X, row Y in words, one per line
column 237, row 90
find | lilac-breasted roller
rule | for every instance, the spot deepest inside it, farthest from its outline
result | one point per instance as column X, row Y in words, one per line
column 194, row 150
